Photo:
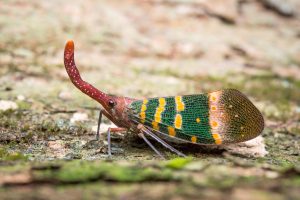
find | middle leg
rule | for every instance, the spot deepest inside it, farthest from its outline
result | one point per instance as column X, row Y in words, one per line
column 112, row 130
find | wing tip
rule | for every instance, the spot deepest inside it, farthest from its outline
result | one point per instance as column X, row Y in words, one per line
column 233, row 112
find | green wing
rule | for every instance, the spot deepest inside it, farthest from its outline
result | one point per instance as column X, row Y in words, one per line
column 225, row 116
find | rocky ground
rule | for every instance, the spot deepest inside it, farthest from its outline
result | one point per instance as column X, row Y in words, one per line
column 146, row 49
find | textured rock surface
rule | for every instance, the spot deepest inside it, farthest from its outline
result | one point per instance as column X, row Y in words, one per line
column 146, row 49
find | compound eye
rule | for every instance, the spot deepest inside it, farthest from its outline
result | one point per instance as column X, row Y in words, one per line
column 111, row 103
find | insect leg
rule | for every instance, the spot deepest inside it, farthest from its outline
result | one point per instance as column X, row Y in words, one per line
column 105, row 113
column 99, row 122
column 141, row 134
column 108, row 142
column 148, row 132
column 109, row 131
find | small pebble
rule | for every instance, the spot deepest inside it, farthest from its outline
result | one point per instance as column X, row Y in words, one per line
column 271, row 174
column 65, row 95
column 103, row 127
column 20, row 97
column 255, row 147
column 7, row 105
column 78, row 117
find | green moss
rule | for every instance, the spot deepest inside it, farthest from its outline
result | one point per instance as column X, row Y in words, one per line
column 3, row 152
column 178, row 163
column 15, row 167
column 292, row 182
column 23, row 105
column 78, row 171
column 6, row 156
column 223, row 183
column 296, row 130
column 25, row 127
column 8, row 122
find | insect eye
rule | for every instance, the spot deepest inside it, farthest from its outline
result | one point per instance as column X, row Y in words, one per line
column 111, row 103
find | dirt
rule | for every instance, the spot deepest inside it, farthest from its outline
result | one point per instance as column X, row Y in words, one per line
column 146, row 49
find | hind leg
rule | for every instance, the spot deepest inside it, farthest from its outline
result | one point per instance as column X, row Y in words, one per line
column 146, row 131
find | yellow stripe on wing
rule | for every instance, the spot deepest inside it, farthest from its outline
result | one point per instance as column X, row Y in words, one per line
column 171, row 131
column 143, row 110
column 178, row 121
column 179, row 104
column 160, row 109
column 217, row 138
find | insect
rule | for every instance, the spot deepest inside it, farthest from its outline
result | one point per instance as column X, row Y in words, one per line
column 221, row 117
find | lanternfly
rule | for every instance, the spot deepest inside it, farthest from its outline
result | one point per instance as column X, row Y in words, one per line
column 220, row 117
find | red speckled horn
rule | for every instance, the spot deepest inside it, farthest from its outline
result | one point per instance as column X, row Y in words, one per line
column 76, row 78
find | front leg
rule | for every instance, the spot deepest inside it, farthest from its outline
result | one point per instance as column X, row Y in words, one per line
column 102, row 112
column 110, row 130
column 99, row 123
